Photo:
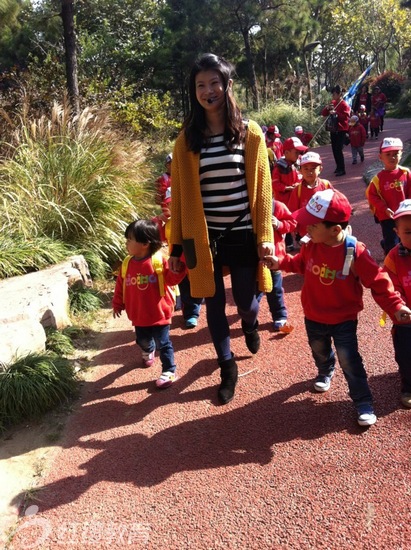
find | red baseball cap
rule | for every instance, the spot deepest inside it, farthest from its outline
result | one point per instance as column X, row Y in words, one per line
column 324, row 206
column 294, row 143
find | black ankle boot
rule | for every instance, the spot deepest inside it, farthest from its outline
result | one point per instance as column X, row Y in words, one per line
column 252, row 338
column 229, row 376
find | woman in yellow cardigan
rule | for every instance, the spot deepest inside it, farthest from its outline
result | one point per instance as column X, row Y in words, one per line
column 221, row 208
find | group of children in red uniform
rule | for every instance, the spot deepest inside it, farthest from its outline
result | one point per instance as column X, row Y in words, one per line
column 334, row 264
column 332, row 291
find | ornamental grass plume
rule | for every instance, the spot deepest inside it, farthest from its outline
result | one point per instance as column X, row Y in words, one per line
column 74, row 180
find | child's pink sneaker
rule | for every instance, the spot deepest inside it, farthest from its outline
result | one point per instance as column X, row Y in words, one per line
column 166, row 379
column 148, row 358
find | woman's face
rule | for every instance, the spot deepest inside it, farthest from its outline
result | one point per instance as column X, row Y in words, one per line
column 210, row 92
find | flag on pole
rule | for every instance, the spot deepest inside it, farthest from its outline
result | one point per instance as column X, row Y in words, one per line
column 352, row 91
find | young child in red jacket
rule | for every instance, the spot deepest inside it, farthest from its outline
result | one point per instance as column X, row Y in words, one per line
column 332, row 292
column 357, row 138
column 375, row 123
column 397, row 263
column 305, row 137
column 285, row 176
column 364, row 118
column 387, row 189
column 310, row 167
column 146, row 296
column 273, row 141
column 283, row 222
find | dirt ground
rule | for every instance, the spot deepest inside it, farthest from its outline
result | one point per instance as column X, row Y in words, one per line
column 28, row 450
column 280, row 467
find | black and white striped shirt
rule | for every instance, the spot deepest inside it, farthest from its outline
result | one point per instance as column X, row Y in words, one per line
column 223, row 185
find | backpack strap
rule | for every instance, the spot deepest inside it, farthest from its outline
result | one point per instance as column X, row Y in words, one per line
column 376, row 182
column 124, row 267
column 350, row 251
column 157, row 261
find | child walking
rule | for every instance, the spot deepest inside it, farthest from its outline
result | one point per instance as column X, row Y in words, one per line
column 273, row 141
column 143, row 290
column 163, row 182
column 387, row 189
column 332, row 291
column 311, row 167
column 398, row 266
column 358, row 136
column 285, row 176
column 364, row 119
column 283, row 222
column 375, row 122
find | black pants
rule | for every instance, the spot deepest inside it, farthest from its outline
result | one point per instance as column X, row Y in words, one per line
column 337, row 144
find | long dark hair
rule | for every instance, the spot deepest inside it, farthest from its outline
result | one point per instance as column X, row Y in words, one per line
column 195, row 124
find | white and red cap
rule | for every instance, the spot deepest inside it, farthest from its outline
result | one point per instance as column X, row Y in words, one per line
column 274, row 130
column 324, row 206
column 311, row 156
column 404, row 209
column 391, row 144
column 298, row 130
column 294, row 143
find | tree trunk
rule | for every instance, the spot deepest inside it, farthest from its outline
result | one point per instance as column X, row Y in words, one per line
column 251, row 69
column 67, row 9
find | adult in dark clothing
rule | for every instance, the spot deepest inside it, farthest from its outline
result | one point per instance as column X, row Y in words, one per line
column 362, row 98
column 342, row 110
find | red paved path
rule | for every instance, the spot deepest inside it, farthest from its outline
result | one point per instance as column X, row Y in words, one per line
column 279, row 467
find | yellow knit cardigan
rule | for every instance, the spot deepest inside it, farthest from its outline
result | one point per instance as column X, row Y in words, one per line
column 188, row 223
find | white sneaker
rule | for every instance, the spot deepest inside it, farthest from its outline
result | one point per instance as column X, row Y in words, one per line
column 322, row 383
column 366, row 416
column 166, row 379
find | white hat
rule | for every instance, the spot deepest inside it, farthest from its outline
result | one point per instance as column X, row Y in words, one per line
column 311, row 156
column 353, row 120
column 298, row 130
column 391, row 144
column 169, row 158
column 404, row 209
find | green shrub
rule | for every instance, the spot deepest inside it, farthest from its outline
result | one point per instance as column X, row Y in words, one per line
column 391, row 84
column 149, row 112
column 287, row 116
column 58, row 342
column 403, row 106
column 83, row 299
column 34, row 384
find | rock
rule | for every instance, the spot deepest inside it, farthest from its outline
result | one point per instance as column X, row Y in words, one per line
column 31, row 302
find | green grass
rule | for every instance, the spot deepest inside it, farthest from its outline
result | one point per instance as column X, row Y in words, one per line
column 77, row 182
column 84, row 300
column 19, row 255
column 34, row 384
column 58, row 342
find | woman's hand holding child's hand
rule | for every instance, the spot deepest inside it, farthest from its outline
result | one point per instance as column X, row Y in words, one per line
column 271, row 262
